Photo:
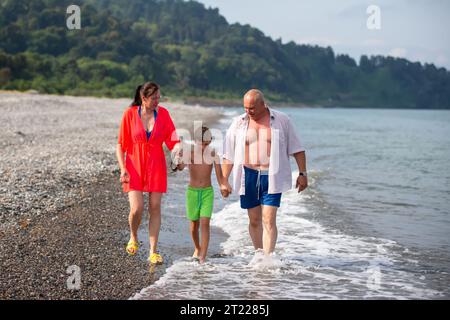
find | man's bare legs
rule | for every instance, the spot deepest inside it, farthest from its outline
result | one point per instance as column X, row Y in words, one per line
column 136, row 199
column 255, row 227
column 194, row 226
column 270, row 233
column 204, row 225
column 154, row 219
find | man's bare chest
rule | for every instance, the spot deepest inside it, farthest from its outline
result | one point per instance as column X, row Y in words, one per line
column 258, row 133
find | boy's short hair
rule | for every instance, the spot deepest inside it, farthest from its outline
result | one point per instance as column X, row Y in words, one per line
column 203, row 134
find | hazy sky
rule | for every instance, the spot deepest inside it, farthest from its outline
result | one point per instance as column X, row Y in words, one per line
column 413, row 29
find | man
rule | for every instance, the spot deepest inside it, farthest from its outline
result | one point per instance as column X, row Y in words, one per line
column 257, row 149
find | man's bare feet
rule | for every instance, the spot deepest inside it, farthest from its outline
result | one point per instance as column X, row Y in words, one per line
column 201, row 260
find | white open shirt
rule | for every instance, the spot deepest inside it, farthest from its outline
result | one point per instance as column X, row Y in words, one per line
column 285, row 143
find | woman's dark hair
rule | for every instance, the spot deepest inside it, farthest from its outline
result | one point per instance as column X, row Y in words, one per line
column 144, row 90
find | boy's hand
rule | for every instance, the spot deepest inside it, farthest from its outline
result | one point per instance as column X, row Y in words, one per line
column 180, row 153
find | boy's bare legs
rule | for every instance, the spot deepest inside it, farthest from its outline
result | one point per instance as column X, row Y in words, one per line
column 136, row 199
column 194, row 233
column 154, row 222
column 270, row 233
column 204, row 225
column 255, row 227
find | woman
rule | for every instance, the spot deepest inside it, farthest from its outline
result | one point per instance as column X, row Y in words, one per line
column 145, row 127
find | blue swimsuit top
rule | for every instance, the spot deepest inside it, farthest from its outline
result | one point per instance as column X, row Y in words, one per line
column 149, row 133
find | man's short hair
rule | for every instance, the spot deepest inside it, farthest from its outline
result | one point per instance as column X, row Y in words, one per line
column 257, row 95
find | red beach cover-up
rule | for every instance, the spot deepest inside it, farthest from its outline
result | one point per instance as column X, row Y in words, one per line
column 145, row 160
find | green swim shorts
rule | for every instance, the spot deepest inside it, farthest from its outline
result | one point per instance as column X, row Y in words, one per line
column 199, row 203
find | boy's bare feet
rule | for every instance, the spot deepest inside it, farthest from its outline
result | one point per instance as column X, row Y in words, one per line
column 195, row 255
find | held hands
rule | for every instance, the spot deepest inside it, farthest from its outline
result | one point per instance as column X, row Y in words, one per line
column 124, row 176
column 225, row 189
column 181, row 166
column 177, row 151
column 302, row 183
column 176, row 158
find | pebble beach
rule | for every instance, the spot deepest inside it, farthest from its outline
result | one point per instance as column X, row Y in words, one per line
column 61, row 202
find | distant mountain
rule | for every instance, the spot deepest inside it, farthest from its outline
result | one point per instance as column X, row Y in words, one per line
column 193, row 51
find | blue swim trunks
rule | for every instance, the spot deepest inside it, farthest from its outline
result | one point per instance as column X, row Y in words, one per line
column 256, row 190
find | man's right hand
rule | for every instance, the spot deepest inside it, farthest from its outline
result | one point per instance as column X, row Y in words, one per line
column 124, row 176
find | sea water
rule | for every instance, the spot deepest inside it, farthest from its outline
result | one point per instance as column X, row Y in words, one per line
column 373, row 224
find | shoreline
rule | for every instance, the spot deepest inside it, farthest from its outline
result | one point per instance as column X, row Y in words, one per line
column 202, row 101
column 62, row 204
column 207, row 102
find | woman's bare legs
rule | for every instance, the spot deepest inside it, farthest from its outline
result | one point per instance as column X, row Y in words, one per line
column 136, row 199
column 154, row 219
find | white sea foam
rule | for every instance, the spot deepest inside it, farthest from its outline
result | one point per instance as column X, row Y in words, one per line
column 311, row 262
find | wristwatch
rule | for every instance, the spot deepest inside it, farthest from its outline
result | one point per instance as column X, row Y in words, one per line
column 303, row 174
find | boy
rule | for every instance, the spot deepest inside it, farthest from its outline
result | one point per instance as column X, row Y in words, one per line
column 200, row 193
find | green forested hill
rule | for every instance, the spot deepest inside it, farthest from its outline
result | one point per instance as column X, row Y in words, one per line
column 193, row 51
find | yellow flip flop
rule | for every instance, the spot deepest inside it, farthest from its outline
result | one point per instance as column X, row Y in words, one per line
column 155, row 258
column 132, row 247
